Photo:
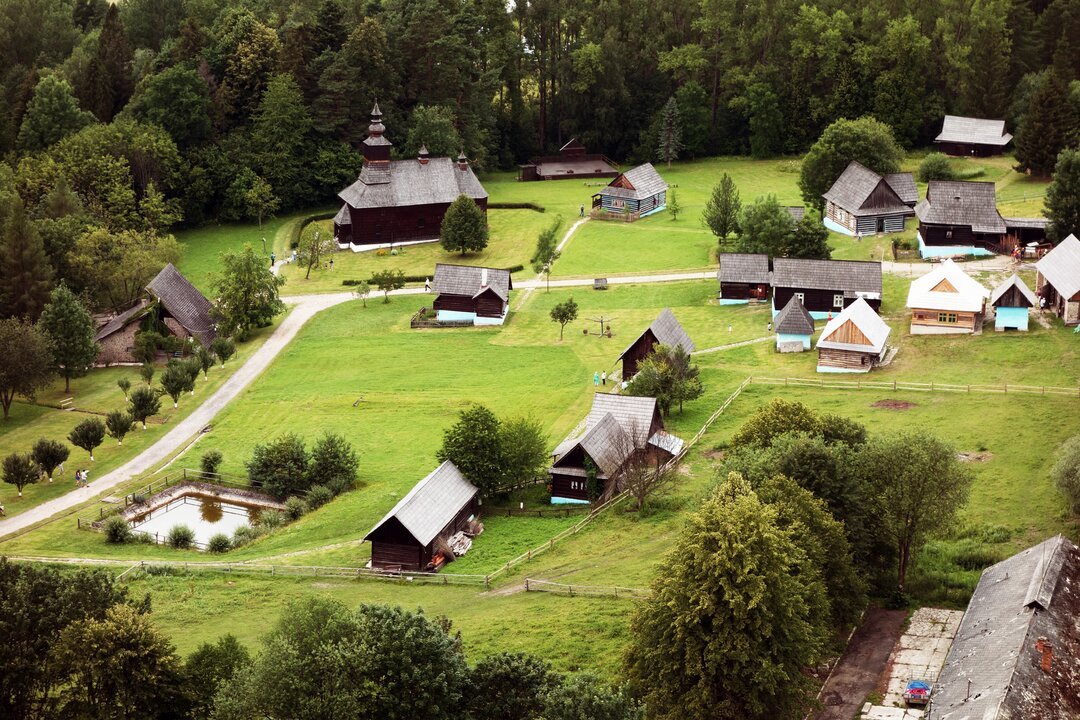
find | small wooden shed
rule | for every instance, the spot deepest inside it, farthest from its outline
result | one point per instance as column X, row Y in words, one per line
column 664, row 330
column 946, row 301
column 743, row 277
column 637, row 192
column 1012, row 300
column 794, row 327
column 977, row 137
column 853, row 341
column 467, row 293
column 1057, row 280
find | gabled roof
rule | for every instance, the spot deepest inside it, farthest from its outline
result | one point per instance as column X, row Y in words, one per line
column 868, row 322
column 903, row 184
column 853, row 277
column 409, row 182
column 853, row 188
column 118, row 322
column 743, row 268
column 644, row 180
column 608, row 444
column 973, row 131
column 1019, row 284
column 572, row 144
column 1017, row 652
column 343, row 217
column 187, row 305
column 432, row 503
column 794, row 319
column 1061, row 267
column 797, row 212
column 956, row 202
column 470, row 281
column 634, row 415
column 667, row 331
column 947, row 287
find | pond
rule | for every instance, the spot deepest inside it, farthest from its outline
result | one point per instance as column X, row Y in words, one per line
column 206, row 515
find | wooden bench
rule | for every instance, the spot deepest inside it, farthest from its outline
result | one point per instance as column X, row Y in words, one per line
column 599, row 284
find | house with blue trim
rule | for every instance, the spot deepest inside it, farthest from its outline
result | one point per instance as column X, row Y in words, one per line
column 744, row 278
column 635, row 193
column 853, row 341
column 794, row 327
column 961, row 218
column 1012, row 301
column 862, row 202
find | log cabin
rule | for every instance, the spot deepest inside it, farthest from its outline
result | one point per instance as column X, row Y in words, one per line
column 853, row 341
column 825, row 287
column 1057, row 280
column 635, row 193
column 468, row 293
column 961, row 218
column 972, row 137
column 794, row 327
column 1012, row 301
column 619, row 430
column 946, row 301
column 440, row 505
column 744, row 278
column 572, row 162
column 664, row 330
column 863, row 202
column 401, row 202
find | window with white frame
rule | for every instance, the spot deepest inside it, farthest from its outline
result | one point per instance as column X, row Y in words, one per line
column 801, row 297
column 838, row 300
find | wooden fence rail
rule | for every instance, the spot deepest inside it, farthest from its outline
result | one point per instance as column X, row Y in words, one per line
column 534, row 585
column 932, row 386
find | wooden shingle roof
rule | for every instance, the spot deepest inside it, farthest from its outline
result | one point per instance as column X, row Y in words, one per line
column 608, row 444
column 667, row 331
column 947, row 287
column 794, row 319
column 856, row 184
column 1020, row 285
column 852, row 277
column 797, row 212
column 743, row 268
column 432, row 503
column 185, row 303
column 644, row 180
column 634, row 415
column 408, row 182
column 955, row 202
column 973, row 131
column 1061, row 267
column 903, row 184
column 470, row 281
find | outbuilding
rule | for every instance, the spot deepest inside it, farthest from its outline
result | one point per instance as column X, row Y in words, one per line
column 853, row 341
column 972, row 137
column 468, row 293
column 1012, row 301
column 664, row 330
column 861, row 201
column 1057, row 280
column 636, row 193
column 825, row 287
column 743, row 277
column 794, row 327
column 572, row 162
column 946, row 301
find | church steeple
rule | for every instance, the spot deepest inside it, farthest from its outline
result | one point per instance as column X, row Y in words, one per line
column 376, row 151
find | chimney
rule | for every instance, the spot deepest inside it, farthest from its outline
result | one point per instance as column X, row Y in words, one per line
column 483, row 277
column 462, row 162
column 422, row 156
column 1046, row 649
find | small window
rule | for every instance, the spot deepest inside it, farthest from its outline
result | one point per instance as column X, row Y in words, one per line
column 618, row 203
column 948, row 234
column 948, row 318
column 801, row 297
column 838, row 300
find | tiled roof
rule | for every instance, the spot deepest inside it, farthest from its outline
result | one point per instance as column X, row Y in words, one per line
column 1020, row 285
column 181, row 300
column 794, row 319
column 411, row 183
column 866, row 320
column 471, row 281
column 955, row 202
column 432, row 503
column 858, row 277
column 969, row 296
column 1061, row 267
column 854, row 187
column 117, row 322
column 973, row 131
column 645, row 181
column 743, row 268
column 667, row 331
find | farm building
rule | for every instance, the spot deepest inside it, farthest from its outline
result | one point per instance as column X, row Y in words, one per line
column 621, row 431
column 437, row 508
column 1057, row 280
column 468, row 293
column 1017, row 653
column 664, row 330
column 571, row 162
column 1012, row 300
column 173, row 307
column 637, row 192
column 853, row 341
column 400, row 201
column 946, row 301
column 744, row 278
column 972, row 136
column 794, row 326
column 825, row 287
column 861, row 201
column 961, row 218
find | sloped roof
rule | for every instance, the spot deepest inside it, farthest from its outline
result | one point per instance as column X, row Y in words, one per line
column 794, row 319
column 432, row 503
column 470, row 281
column 994, row 669
column 1019, row 284
column 608, row 444
column 969, row 294
column 667, row 442
column 185, row 303
column 958, row 202
column 1061, row 267
column 667, row 331
column 866, row 320
column 118, row 322
column 634, row 415
column 854, row 277
column 343, row 217
column 409, row 182
column 903, row 184
column 973, row 131
column 643, row 178
column 855, row 185
column 743, row 268
column 797, row 212
column 1026, row 223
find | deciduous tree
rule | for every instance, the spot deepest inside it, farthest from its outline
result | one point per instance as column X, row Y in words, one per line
column 27, row 361
column 464, row 227
column 280, row 466
column 766, row 227
column 587, row 697
column 472, row 444
column 178, row 100
column 865, row 140
column 174, row 381
column 508, row 686
column 144, row 402
column 223, row 349
column 334, row 463
column 118, row 424
column 247, row 293
column 87, row 435
column 546, row 252
column 48, row 455
column 668, row 375
column 809, row 239
column 387, row 280
column 524, row 451
column 51, row 115
column 20, row 470
column 70, row 329
column 432, row 127
column 564, row 313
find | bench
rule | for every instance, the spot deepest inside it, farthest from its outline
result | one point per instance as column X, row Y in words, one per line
column 599, row 284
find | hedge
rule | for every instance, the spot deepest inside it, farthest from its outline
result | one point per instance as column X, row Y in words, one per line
column 417, row 278
column 516, row 206
column 298, row 228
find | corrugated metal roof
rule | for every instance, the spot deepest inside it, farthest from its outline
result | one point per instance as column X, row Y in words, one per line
column 409, row 182
column 857, row 276
column 645, row 181
column 470, row 281
column 866, row 320
column 1020, row 285
column 973, row 131
column 667, row 331
column 1061, row 267
column 794, row 319
column 189, row 306
column 117, row 322
column 743, row 268
column 432, row 503
column 970, row 294
column 957, row 202
column 854, row 186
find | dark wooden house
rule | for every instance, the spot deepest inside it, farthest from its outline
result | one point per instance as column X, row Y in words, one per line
column 972, row 136
column 477, row 294
column 571, row 162
column 825, row 287
column 1012, row 301
column 636, row 193
column 744, row 277
column 620, row 429
column 853, row 341
column 861, row 201
column 437, row 507
column 664, row 330
column 794, row 327
column 961, row 218
column 401, row 201
column 1057, row 280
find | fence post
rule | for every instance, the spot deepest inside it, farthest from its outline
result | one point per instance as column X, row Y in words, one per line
column 526, row 584
column 78, row 523
column 616, row 592
column 1006, row 386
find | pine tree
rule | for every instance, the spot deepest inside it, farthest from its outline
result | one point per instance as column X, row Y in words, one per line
column 721, row 214
column 1046, row 129
column 670, row 138
column 464, row 227
column 25, row 273
column 107, row 82
column 1063, row 196
column 70, row 329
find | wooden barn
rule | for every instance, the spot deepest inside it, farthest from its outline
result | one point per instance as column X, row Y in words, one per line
column 825, row 287
column 572, row 162
column 853, row 341
column 438, row 507
column 946, row 301
column 664, row 330
column 972, row 137
column 794, row 327
column 173, row 306
column 636, row 193
column 397, row 202
column 1012, row 301
column 468, row 293
column 1057, row 280
column 744, row 278
column 861, row 201
column 961, row 218
column 619, row 430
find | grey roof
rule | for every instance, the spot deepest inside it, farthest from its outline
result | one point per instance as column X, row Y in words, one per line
column 644, row 180
column 667, row 331
column 958, row 202
column 181, row 300
column 608, row 444
column 634, row 415
column 797, row 212
column 853, row 188
column 857, row 277
column 863, row 317
column 743, row 268
column 1061, row 267
column 343, row 217
column 1019, row 284
column 470, row 281
column 118, row 322
column 667, row 442
column 903, row 184
column 410, row 182
column 1022, row 614
column 1027, row 223
column 794, row 319
column 432, row 503
column 973, row 131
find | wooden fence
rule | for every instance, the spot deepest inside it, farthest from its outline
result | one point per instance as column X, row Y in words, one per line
column 534, row 585
column 427, row 318
column 172, row 567
column 932, row 386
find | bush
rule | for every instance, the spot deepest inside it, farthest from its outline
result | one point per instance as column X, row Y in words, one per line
column 516, row 206
column 138, row 499
column 220, row 543
column 271, row 520
column 333, row 463
column 298, row 228
column 295, row 507
column 318, row 496
column 281, row 466
column 935, row 166
column 245, row 534
column 117, row 530
column 181, row 537
column 210, row 462
column 1066, row 473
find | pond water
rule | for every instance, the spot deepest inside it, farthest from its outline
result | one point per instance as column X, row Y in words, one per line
column 204, row 514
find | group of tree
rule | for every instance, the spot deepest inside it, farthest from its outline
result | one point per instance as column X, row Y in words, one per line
column 22, row 469
column 668, row 375
column 494, row 453
column 284, row 466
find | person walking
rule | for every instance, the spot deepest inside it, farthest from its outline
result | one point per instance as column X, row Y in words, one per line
column 86, row 478
column 603, row 378
column 331, row 264
column 596, row 379
column 273, row 259
column 427, row 284
column 581, row 213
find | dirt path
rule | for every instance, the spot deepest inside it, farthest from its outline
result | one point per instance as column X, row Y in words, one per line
column 857, row 672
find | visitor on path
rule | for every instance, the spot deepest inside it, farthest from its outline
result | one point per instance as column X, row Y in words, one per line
column 729, row 328
column 596, row 379
column 427, row 284
column 603, row 378
column 331, row 264
column 273, row 259
column 581, row 213
column 78, row 478
column 60, row 469
column 293, row 258
column 858, row 236
column 86, row 478
column 770, row 326
column 2, row 511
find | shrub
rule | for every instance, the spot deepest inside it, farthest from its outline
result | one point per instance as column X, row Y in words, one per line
column 318, row 496
column 245, row 534
column 138, row 499
column 271, row 519
column 181, row 537
column 210, row 462
column 935, row 166
column 1066, row 472
column 333, row 463
column 117, row 530
column 280, row 466
column 219, row 543
column 295, row 507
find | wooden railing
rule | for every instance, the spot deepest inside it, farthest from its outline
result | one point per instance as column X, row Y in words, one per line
column 932, row 386
column 535, row 585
